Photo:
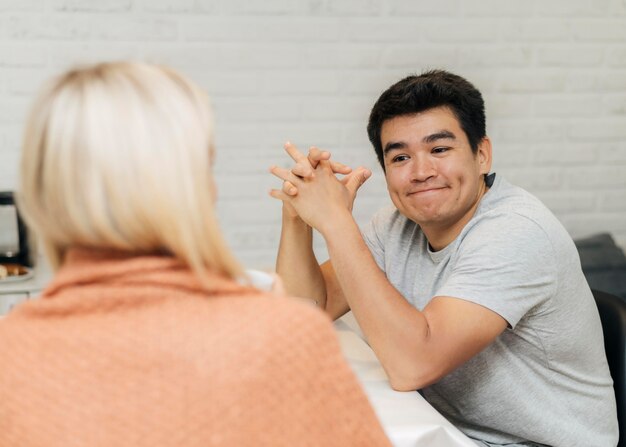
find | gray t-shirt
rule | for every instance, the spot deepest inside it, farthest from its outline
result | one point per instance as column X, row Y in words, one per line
column 545, row 380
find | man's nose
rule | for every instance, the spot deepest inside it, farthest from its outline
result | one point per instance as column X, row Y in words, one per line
column 423, row 169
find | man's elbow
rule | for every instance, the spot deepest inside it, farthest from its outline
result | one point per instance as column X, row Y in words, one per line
column 413, row 379
column 403, row 385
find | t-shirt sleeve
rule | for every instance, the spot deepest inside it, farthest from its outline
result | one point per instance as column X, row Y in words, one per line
column 505, row 263
column 374, row 235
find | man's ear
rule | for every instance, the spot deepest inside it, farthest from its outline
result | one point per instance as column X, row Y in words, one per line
column 484, row 155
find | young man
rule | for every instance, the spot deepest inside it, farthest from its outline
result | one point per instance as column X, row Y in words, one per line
column 468, row 289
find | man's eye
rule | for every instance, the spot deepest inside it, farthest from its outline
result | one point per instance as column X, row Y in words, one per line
column 440, row 150
column 399, row 158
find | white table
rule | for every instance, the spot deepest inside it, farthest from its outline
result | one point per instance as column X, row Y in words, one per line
column 406, row 417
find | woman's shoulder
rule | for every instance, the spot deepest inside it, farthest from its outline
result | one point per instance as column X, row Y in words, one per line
column 284, row 314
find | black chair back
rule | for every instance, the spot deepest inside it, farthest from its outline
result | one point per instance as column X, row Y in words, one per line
column 613, row 315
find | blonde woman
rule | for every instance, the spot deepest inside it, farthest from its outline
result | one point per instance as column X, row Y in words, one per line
column 145, row 337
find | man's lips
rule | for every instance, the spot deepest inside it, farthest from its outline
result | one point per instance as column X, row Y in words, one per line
column 425, row 190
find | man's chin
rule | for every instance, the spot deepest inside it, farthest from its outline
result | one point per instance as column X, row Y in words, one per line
column 430, row 217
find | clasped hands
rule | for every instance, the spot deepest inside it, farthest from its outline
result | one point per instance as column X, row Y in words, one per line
column 311, row 189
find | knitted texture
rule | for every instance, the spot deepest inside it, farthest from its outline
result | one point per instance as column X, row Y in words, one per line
column 135, row 351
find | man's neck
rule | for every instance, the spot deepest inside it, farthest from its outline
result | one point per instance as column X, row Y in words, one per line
column 440, row 237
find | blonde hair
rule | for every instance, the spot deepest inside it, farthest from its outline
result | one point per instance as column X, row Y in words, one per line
column 118, row 156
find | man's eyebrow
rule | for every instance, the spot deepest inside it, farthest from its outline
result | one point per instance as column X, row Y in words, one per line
column 441, row 135
column 393, row 145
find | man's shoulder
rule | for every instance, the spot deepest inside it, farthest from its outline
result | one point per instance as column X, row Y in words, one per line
column 389, row 217
column 385, row 214
column 506, row 197
column 388, row 230
column 513, row 205
column 517, row 221
column 389, row 225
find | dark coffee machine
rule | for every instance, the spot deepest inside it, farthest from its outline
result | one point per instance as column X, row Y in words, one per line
column 15, row 247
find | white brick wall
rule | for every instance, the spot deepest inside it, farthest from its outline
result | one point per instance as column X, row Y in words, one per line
column 553, row 74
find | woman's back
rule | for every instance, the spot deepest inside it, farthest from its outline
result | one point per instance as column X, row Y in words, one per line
column 135, row 351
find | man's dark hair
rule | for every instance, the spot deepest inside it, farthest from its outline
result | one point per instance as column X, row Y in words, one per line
column 435, row 88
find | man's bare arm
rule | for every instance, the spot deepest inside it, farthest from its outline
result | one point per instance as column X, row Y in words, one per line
column 296, row 262
column 415, row 347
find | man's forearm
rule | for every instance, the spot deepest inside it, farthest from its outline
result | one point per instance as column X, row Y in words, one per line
column 415, row 347
column 296, row 263
column 396, row 331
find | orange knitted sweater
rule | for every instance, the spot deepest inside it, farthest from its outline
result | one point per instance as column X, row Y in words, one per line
column 134, row 351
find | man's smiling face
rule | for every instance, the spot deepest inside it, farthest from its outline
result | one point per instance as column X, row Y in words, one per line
column 433, row 177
